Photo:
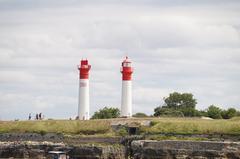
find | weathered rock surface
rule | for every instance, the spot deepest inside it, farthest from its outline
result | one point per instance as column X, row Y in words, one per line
column 39, row 150
column 31, row 146
column 98, row 152
column 53, row 137
column 148, row 149
column 31, row 137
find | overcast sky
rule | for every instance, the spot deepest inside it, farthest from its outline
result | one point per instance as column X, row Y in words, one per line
column 177, row 45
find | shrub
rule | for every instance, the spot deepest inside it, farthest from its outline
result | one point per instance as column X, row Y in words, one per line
column 152, row 123
column 227, row 114
column 160, row 111
column 106, row 113
column 140, row 115
column 214, row 112
column 123, row 131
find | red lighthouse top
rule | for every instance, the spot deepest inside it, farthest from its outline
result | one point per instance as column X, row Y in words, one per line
column 126, row 69
column 84, row 68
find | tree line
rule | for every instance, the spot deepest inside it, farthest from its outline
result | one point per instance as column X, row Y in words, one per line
column 175, row 105
column 184, row 105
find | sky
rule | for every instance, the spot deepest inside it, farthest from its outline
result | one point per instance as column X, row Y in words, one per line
column 176, row 45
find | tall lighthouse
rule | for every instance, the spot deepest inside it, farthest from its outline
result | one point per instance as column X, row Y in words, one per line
column 83, row 100
column 126, row 70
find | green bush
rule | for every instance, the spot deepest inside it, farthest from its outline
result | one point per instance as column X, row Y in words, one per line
column 152, row 123
column 227, row 114
column 123, row 131
column 167, row 112
column 214, row 112
column 140, row 115
column 42, row 132
column 106, row 113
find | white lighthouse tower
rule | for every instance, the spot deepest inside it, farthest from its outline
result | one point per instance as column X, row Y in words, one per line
column 83, row 100
column 126, row 70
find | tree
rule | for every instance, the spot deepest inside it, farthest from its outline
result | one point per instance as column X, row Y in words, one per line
column 177, row 100
column 106, row 113
column 140, row 115
column 214, row 112
column 203, row 113
column 189, row 112
column 238, row 113
column 159, row 111
column 163, row 111
column 227, row 114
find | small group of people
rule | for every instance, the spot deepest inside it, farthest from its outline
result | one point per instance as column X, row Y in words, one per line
column 38, row 116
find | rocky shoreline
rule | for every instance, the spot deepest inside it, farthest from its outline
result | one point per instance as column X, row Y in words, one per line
column 37, row 146
column 185, row 149
column 39, row 150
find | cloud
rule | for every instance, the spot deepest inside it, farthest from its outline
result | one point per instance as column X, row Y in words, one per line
column 186, row 47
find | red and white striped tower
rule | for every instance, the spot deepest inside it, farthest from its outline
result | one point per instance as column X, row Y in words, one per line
column 83, row 100
column 126, row 70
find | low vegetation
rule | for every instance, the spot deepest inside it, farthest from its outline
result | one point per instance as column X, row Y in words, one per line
column 57, row 126
column 106, row 113
column 140, row 115
column 177, row 116
column 193, row 126
column 158, row 126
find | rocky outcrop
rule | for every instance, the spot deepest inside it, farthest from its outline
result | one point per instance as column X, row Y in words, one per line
column 148, row 149
column 57, row 138
column 39, row 150
column 31, row 137
column 98, row 152
column 25, row 150
column 17, row 146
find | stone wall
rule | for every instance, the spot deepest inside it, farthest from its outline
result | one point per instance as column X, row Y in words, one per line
column 53, row 137
column 39, row 150
column 147, row 149
column 31, row 146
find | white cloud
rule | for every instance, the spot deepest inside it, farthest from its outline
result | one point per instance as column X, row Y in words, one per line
column 187, row 47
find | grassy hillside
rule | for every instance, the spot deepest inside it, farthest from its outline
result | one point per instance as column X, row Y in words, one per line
column 57, row 126
column 103, row 127
column 193, row 126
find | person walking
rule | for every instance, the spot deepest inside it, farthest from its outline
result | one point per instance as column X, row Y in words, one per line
column 29, row 116
column 40, row 116
column 37, row 116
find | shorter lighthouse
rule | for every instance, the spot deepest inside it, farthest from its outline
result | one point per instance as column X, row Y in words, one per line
column 126, row 103
column 83, row 100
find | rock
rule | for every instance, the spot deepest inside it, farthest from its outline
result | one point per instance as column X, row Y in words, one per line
column 143, row 149
column 129, row 147
column 39, row 150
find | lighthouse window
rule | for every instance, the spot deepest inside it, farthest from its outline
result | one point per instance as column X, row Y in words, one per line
column 127, row 64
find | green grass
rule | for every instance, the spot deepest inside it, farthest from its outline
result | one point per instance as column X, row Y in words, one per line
column 90, row 127
column 193, row 126
column 103, row 127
